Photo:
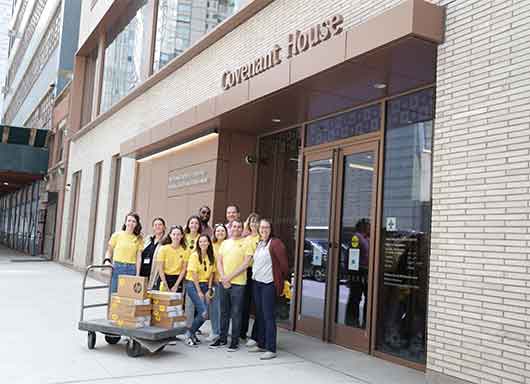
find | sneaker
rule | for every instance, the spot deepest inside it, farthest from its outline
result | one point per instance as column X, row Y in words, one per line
column 251, row 343
column 190, row 343
column 199, row 332
column 218, row 344
column 268, row 355
column 195, row 339
column 255, row 348
column 233, row 347
column 212, row 337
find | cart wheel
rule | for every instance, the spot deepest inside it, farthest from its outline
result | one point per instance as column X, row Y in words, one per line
column 134, row 349
column 91, row 340
column 112, row 339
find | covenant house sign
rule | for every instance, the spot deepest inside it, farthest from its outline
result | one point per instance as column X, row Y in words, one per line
column 298, row 42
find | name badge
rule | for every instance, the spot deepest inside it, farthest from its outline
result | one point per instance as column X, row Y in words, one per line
column 147, row 261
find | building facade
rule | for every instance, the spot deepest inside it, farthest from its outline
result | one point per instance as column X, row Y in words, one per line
column 388, row 140
column 43, row 38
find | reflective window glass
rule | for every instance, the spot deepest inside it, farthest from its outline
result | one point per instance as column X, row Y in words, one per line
column 181, row 23
column 124, row 55
column 406, row 221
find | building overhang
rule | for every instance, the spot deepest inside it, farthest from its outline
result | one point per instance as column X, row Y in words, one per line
column 396, row 48
column 23, row 157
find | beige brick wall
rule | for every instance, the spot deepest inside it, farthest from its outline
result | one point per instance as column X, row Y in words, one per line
column 479, row 305
column 91, row 16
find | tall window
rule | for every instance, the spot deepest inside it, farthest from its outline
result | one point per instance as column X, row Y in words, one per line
column 88, row 87
column 182, row 22
column 401, row 328
column 125, row 54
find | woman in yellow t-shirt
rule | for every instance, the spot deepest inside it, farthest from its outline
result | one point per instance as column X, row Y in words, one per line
column 172, row 259
column 220, row 234
column 193, row 231
column 199, row 280
column 125, row 249
column 250, row 232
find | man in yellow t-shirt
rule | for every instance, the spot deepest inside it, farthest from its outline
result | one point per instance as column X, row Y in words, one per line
column 234, row 258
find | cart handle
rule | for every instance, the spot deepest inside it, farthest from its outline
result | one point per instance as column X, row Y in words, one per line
column 84, row 288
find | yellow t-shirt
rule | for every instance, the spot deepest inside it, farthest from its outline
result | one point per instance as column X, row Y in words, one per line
column 204, row 269
column 191, row 241
column 216, row 247
column 173, row 259
column 234, row 253
column 252, row 242
column 125, row 247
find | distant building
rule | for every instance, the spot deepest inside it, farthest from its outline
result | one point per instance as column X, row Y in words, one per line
column 42, row 41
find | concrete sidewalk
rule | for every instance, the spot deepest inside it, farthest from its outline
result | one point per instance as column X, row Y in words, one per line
column 40, row 343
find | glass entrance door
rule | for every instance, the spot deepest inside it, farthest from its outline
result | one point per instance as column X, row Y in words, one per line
column 353, row 244
column 337, row 255
column 315, row 242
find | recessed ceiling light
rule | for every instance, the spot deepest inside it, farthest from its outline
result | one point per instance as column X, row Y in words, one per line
column 379, row 85
column 5, row 183
column 276, row 121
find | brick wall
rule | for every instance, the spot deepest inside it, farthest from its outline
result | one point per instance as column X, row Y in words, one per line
column 479, row 307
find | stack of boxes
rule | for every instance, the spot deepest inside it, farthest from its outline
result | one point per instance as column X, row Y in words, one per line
column 167, row 309
column 130, row 307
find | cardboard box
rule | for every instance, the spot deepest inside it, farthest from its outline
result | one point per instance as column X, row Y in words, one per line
column 128, row 301
column 134, row 287
column 158, row 316
column 130, row 311
column 169, row 299
column 126, row 317
column 169, row 323
column 131, row 324
column 165, row 308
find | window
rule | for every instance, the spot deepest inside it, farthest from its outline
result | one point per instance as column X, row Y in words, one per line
column 88, row 87
column 182, row 22
column 401, row 328
column 96, row 189
column 124, row 55
column 74, row 210
column 348, row 124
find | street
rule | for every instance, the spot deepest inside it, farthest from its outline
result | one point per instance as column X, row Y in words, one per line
column 41, row 344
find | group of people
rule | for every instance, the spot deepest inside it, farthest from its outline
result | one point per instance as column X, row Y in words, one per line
column 221, row 269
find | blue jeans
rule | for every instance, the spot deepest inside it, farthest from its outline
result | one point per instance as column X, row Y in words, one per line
column 265, row 300
column 214, row 311
column 120, row 269
column 231, row 308
column 200, row 305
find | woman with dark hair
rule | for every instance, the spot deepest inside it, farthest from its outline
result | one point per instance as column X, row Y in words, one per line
column 151, row 245
column 193, row 231
column 125, row 249
column 172, row 259
column 199, row 280
column 269, row 273
column 220, row 234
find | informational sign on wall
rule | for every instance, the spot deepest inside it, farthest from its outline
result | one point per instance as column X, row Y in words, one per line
column 177, row 181
column 391, row 224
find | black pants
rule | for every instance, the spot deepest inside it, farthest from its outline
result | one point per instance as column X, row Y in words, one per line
column 248, row 300
column 171, row 281
column 265, row 299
